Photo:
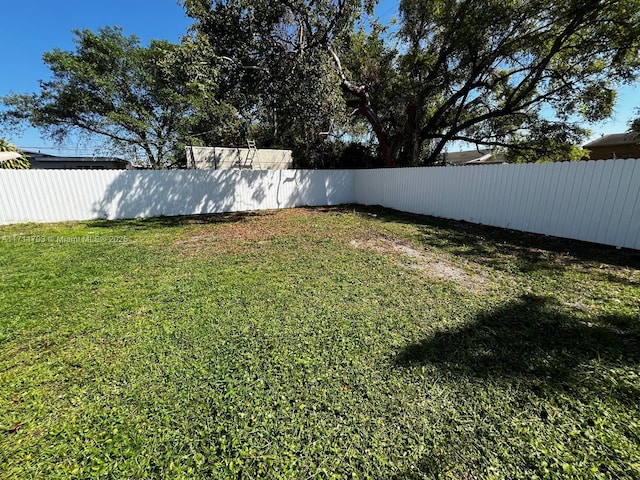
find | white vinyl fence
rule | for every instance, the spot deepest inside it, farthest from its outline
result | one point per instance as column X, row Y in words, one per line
column 60, row 195
column 593, row 201
column 596, row 201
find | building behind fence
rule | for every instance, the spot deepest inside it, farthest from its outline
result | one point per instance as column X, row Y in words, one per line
column 597, row 201
column 223, row 158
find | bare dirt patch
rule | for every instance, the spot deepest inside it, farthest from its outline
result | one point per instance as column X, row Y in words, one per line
column 424, row 261
column 247, row 232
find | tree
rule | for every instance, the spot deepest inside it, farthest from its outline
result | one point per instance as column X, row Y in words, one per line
column 515, row 74
column 275, row 56
column 11, row 157
column 132, row 96
column 496, row 73
column 634, row 124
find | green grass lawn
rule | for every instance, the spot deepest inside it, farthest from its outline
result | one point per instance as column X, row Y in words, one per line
column 315, row 343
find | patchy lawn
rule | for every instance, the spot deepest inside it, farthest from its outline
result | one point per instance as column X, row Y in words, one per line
column 315, row 343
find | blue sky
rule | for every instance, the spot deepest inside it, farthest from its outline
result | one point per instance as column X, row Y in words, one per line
column 32, row 27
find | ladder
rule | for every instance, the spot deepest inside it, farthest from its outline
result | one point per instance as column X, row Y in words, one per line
column 250, row 157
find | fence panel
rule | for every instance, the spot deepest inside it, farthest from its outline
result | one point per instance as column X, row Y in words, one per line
column 61, row 195
column 597, row 201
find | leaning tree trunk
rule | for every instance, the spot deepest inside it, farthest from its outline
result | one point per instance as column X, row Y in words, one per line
column 363, row 106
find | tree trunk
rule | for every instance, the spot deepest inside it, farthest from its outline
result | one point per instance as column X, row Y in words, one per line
column 383, row 141
column 363, row 106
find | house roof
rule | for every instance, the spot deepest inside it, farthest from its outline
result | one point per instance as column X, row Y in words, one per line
column 472, row 157
column 613, row 139
column 46, row 157
column 4, row 156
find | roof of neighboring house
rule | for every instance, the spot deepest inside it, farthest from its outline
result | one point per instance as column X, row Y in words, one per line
column 613, row 139
column 473, row 157
column 4, row 156
column 38, row 158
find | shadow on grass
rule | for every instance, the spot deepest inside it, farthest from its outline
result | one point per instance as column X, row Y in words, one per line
column 545, row 347
column 484, row 245
column 532, row 338
column 177, row 221
column 489, row 245
column 207, row 219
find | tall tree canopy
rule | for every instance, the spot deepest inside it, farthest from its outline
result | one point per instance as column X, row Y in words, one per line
column 523, row 75
column 494, row 72
column 112, row 86
column 511, row 73
column 275, row 56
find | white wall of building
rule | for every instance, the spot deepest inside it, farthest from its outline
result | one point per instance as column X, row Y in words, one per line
column 223, row 158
